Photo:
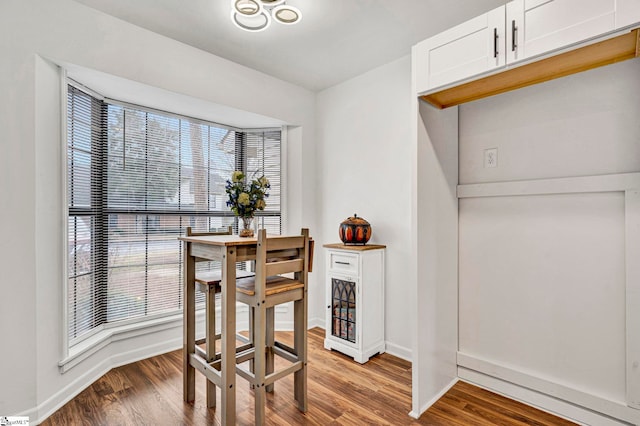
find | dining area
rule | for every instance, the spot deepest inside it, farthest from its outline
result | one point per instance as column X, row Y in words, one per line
column 260, row 271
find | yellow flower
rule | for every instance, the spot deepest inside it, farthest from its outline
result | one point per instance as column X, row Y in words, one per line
column 243, row 199
column 263, row 181
column 260, row 204
column 237, row 176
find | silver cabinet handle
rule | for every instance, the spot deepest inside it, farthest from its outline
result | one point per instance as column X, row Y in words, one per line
column 342, row 263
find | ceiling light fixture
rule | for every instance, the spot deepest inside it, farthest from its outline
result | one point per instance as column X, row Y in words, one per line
column 256, row 15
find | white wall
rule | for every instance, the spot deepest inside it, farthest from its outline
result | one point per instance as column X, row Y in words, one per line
column 542, row 277
column 434, row 253
column 364, row 167
column 585, row 124
column 35, row 34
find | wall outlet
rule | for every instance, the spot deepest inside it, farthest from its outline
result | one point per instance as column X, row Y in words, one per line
column 490, row 158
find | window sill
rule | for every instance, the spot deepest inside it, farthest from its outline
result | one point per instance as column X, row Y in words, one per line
column 93, row 344
column 83, row 350
column 90, row 346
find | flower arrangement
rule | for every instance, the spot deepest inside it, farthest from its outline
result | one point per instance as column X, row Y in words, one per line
column 246, row 198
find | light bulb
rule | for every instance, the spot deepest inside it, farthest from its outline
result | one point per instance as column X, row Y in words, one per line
column 247, row 7
column 286, row 14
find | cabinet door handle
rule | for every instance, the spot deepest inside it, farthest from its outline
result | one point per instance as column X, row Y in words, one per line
column 495, row 42
column 514, row 35
column 342, row 263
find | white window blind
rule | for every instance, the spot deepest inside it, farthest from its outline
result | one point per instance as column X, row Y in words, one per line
column 136, row 179
column 262, row 157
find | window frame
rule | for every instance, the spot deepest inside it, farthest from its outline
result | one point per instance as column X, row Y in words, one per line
column 78, row 348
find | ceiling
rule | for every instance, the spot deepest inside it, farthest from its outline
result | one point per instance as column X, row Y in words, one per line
column 336, row 40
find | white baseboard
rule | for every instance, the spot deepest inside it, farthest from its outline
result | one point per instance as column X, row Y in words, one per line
column 538, row 400
column 390, row 348
column 316, row 322
column 31, row 413
column 433, row 400
column 398, row 351
column 560, row 400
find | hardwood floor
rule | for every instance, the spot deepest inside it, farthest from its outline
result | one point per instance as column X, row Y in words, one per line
column 341, row 392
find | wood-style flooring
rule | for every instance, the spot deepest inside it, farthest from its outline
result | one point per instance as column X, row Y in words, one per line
column 341, row 392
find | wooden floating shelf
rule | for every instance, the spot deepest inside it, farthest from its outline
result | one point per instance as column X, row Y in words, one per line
column 617, row 49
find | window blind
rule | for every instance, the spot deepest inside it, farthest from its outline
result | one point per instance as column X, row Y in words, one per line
column 85, row 136
column 136, row 179
column 262, row 157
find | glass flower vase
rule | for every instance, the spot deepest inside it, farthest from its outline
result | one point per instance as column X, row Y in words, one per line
column 246, row 230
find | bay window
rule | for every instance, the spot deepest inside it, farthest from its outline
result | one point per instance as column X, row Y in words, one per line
column 136, row 178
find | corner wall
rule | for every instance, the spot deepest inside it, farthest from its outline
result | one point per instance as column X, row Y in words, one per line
column 364, row 167
column 434, row 259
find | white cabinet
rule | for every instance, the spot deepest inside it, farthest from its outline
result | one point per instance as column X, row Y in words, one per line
column 627, row 13
column 355, row 300
column 515, row 34
column 471, row 48
column 548, row 25
column 511, row 34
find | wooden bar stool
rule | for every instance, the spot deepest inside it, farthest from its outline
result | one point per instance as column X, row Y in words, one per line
column 262, row 292
column 208, row 283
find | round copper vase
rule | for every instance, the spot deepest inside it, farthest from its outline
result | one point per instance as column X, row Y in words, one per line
column 355, row 231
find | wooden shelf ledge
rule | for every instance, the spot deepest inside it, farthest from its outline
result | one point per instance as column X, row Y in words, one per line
column 354, row 247
column 617, row 49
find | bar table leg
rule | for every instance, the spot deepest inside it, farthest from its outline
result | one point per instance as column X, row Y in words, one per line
column 228, row 329
column 189, row 324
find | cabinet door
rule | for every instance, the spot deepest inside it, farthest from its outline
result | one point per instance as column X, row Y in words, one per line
column 627, row 13
column 344, row 307
column 515, row 31
column 471, row 48
column 552, row 24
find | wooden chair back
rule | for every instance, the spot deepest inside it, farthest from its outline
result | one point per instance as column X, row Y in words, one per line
column 278, row 256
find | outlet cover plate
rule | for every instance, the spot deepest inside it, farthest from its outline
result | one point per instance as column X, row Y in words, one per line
column 490, row 158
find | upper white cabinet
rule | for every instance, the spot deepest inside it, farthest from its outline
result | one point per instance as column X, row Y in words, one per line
column 552, row 24
column 468, row 49
column 627, row 13
column 514, row 21
column 514, row 34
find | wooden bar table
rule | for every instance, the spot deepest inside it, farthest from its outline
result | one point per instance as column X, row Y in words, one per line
column 228, row 249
